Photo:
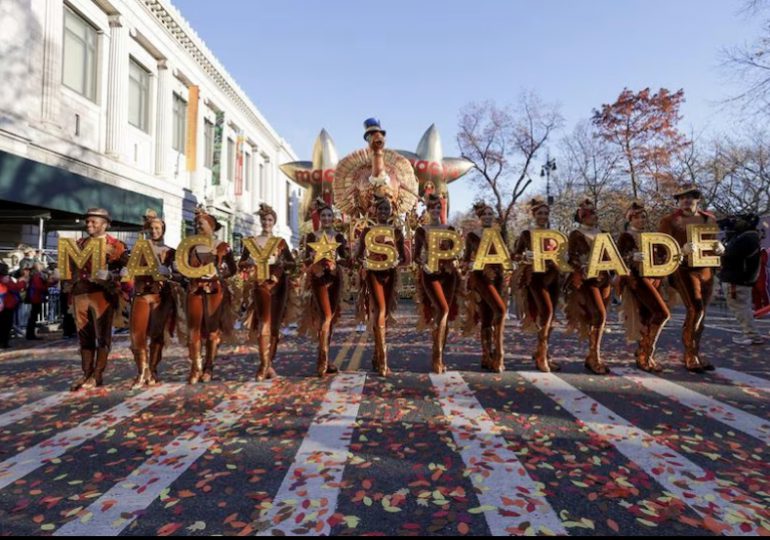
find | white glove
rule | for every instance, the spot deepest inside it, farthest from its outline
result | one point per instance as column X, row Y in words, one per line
column 638, row 256
column 529, row 257
column 687, row 249
column 164, row 270
column 719, row 248
column 103, row 275
column 123, row 272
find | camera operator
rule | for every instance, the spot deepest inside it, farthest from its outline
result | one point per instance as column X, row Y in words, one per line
column 740, row 271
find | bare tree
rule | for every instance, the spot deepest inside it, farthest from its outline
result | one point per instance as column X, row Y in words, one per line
column 502, row 143
column 751, row 64
column 737, row 176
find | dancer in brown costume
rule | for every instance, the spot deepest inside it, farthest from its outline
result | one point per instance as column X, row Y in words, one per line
column 538, row 293
column 208, row 299
column 646, row 310
column 587, row 299
column 269, row 297
column 437, row 290
column 95, row 300
column 325, row 284
column 694, row 285
column 152, row 309
column 489, row 287
column 380, row 287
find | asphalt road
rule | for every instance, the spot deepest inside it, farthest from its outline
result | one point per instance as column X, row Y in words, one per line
column 463, row 453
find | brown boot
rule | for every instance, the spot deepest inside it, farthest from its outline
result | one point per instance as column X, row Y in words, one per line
column 552, row 365
column 264, row 358
column 593, row 360
column 486, row 349
column 439, row 341
column 208, row 366
column 322, row 365
column 102, row 354
column 143, row 375
column 498, row 356
column 271, row 373
column 541, row 353
column 156, row 355
column 87, row 365
column 379, row 343
column 196, row 364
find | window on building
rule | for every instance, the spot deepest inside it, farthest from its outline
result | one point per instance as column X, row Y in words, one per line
column 230, row 159
column 138, row 96
column 180, row 123
column 247, row 171
column 208, row 144
column 79, row 62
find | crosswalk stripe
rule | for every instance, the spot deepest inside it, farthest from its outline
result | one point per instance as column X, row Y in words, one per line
column 308, row 494
column 673, row 471
column 342, row 354
column 721, row 412
column 121, row 505
column 750, row 381
column 34, row 457
column 25, row 411
column 476, row 435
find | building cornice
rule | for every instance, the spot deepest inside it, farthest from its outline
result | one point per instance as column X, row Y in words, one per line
column 170, row 18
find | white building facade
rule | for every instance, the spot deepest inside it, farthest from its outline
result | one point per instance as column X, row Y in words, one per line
column 120, row 104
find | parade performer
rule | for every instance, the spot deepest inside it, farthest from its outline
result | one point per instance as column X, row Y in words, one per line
column 437, row 291
column 153, row 310
column 488, row 290
column 270, row 296
column 587, row 299
column 380, row 287
column 646, row 312
column 376, row 186
column 325, row 283
column 537, row 293
column 694, row 285
column 95, row 300
column 209, row 310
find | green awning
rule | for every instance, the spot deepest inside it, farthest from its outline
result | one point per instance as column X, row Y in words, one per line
column 32, row 183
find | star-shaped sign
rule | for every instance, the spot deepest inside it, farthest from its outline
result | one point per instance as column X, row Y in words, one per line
column 324, row 249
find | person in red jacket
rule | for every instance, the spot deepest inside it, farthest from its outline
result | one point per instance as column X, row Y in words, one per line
column 37, row 291
column 9, row 301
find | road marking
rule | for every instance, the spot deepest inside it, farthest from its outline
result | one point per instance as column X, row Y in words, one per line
column 342, row 353
column 25, row 411
column 677, row 474
column 358, row 353
column 721, row 412
column 308, row 494
column 750, row 381
column 36, row 456
column 477, row 438
column 120, row 506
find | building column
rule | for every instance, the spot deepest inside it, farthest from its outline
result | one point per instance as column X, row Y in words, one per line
column 53, row 43
column 162, row 120
column 117, row 87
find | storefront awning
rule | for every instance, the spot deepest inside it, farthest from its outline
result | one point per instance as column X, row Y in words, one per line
column 31, row 183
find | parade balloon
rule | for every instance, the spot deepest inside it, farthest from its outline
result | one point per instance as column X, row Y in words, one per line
column 435, row 172
column 316, row 176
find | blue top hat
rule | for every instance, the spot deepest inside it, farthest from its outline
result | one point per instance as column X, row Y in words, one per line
column 371, row 125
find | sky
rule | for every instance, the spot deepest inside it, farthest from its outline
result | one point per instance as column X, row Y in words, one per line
column 316, row 64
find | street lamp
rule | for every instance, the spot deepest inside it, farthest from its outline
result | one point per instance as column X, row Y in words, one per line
column 545, row 170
